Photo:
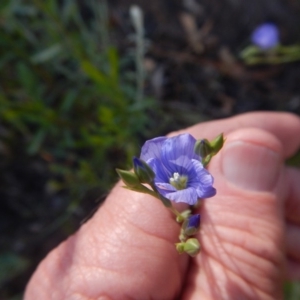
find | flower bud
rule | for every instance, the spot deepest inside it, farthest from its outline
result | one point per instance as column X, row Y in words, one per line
column 180, row 247
column 130, row 179
column 191, row 225
column 217, row 143
column 136, row 15
column 203, row 148
column 143, row 171
column 192, row 247
column 207, row 149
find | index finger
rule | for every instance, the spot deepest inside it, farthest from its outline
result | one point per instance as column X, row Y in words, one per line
column 285, row 126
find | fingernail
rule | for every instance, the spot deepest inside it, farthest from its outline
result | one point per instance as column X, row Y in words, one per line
column 249, row 166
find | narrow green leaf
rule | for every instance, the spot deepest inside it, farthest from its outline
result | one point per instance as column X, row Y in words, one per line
column 47, row 54
column 37, row 141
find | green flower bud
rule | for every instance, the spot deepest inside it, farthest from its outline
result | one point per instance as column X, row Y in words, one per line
column 143, row 171
column 130, row 179
column 180, row 247
column 192, row 247
column 207, row 149
column 203, row 148
column 217, row 143
column 132, row 183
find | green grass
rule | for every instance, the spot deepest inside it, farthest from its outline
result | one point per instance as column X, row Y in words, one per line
column 67, row 97
column 64, row 91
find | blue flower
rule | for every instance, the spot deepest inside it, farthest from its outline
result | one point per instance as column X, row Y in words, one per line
column 179, row 173
column 265, row 36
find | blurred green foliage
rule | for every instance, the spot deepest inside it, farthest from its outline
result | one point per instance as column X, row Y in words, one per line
column 63, row 91
column 292, row 291
column 67, row 98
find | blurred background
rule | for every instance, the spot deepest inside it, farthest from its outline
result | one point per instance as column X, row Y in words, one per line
column 83, row 83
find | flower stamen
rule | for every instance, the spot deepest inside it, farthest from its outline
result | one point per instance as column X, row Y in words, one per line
column 178, row 181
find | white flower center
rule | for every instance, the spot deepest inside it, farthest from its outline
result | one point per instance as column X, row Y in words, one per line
column 179, row 182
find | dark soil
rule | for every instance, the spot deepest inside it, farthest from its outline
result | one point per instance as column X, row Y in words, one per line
column 194, row 71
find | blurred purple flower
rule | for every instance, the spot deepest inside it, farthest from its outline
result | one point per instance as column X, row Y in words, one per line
column 265, row 36
column 179, row 173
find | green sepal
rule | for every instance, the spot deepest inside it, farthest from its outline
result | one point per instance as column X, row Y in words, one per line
column 217, row 143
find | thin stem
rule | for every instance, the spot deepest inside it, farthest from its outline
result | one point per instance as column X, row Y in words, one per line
column 177, row 214
column 138, row 23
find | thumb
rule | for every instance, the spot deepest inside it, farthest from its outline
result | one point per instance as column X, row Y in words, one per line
column 242, row 226
column 250, row 161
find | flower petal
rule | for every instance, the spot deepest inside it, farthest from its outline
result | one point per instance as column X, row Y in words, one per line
column 165, row 187
column 188, row 196
column 161, row 174
column 206, row 192
column 202, row 182
column 152, row 148
column 266, row 36
column 178, row 150
column 167, row 156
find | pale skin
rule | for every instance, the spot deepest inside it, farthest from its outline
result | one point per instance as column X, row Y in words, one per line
column 250, row 231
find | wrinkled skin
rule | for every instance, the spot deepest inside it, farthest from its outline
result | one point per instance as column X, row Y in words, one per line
column 250, row 232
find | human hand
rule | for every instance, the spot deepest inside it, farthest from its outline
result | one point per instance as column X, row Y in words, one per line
column 250, row 231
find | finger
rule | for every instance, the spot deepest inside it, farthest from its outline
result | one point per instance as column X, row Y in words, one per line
column 134, row 232
column 284, row 126
column 242, row 234
column 293, row 198
column 125, row 251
